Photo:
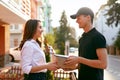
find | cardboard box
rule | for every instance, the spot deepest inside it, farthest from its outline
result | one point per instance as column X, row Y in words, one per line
column 61, row 60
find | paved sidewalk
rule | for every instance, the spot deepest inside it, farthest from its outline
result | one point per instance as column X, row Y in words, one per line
column 108, row 76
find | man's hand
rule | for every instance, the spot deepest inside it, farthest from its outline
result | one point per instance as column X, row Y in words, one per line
column 71, row 60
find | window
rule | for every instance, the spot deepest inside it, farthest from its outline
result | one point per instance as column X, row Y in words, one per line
column 16, row 27
column 11, row 27
column 15, row 42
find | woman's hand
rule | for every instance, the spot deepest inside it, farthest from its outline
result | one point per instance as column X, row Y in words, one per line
column 52, row 66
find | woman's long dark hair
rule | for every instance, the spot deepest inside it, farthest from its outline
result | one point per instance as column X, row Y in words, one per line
column 29, row 31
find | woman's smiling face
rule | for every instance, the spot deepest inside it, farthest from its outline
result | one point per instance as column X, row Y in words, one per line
column 39, row 30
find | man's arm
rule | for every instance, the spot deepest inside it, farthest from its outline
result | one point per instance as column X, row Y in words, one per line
column 101, row 62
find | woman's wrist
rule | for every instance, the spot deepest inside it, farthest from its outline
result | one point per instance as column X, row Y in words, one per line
column 46, row 66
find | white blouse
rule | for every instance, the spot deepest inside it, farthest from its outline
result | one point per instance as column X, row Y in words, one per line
column 32, row 55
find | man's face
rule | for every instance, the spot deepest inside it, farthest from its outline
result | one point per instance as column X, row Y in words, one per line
column 82, row 20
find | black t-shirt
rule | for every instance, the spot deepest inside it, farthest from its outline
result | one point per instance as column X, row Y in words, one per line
column 88, row 44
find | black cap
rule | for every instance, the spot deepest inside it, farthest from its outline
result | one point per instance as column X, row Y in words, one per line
column 83, row 11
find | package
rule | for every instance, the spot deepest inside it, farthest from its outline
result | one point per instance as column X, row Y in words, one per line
column 61, row 60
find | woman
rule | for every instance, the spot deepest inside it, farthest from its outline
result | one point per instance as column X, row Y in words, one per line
column 33, row 60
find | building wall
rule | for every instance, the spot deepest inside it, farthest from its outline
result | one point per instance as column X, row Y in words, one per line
column 47, row 12
column 110, row 32
column 15, row 35
column 33, row 9
column 7, row 37
column 17, row 29
column 2, row 40
column 2, row 46
column 4, row 37
column 26, row 7
column 12, row 12
column 4, row 43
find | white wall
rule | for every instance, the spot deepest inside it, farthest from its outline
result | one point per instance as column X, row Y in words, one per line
column 109, row 32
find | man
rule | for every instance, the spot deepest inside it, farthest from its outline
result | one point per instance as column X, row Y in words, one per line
column 92, row 57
